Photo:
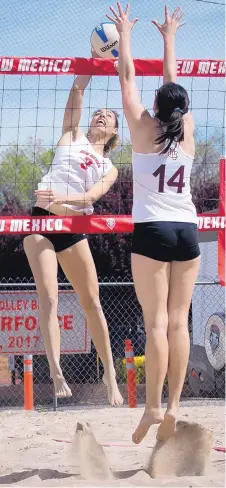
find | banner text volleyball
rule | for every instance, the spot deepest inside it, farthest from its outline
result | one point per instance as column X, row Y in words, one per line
column 19, row 324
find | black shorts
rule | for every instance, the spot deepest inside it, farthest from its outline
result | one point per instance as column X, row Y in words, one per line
column 62, row 241
column 166, row 241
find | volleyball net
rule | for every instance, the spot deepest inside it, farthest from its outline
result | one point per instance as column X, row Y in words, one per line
column 34, row 92
column 33, row 95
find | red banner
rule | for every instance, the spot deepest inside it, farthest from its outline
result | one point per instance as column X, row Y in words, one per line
column 105, row 67
column 95, row 224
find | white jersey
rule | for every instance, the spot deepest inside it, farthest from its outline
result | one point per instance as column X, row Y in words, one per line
column 161, row 187
column 75, row 169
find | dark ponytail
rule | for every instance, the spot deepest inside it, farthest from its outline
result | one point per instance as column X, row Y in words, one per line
column 172, row 103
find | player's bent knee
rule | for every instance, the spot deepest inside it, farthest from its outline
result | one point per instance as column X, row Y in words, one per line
column 91, row 304
column 48, row 302
column 179, row 323
column 155, row 322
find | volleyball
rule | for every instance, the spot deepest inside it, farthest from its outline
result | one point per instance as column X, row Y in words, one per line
column 105, row 40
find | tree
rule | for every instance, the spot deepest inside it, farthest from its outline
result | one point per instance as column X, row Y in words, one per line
column 205, row 174
column 21, row 168
column 206, row 167
column 122, row 155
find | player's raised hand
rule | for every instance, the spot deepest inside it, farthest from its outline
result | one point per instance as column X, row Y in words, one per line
column 171, row 24
column 94, row 54
column 121, row 19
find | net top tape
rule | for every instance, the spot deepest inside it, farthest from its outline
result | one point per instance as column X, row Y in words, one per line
column 106, row 67
column 95, row 224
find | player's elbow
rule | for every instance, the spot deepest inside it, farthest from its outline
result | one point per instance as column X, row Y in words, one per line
column 90, row 199
column 112, row 177
column 78, row 91
column 114, row 173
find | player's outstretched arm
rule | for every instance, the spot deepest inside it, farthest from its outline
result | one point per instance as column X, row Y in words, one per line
column 168, row 31
column 132, row 105
column 73, row 109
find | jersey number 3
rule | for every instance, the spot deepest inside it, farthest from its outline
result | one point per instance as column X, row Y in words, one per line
column 178, row 175
column 87, row 162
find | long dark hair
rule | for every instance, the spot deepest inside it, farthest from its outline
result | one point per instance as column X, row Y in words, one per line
column 172, row 103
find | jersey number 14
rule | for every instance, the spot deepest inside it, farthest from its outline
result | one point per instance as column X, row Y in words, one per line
column 177, row 180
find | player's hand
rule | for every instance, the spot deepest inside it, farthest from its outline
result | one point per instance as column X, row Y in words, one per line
column 49, row 196
column 116, row 66
column 94, row 54
column 121, row 19
column 171, row 24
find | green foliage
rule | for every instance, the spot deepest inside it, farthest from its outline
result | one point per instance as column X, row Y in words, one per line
column 122, row 155
column 139, row 363
column 206, row 167
column 205, row 174
column 22, row 167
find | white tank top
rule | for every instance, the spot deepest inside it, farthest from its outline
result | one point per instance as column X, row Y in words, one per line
column 161, row 187
column 75, row 169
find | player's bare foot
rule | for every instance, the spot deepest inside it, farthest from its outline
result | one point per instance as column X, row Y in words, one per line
column 114, row 395
column 150, row 417
column 62, row 390
column 168, row 427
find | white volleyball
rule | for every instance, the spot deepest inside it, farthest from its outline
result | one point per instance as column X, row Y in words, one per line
column 105, row 40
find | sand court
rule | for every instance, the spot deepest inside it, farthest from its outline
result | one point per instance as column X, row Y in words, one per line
column 29, row 455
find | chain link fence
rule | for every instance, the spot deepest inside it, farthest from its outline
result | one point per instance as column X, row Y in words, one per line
column 32, row 107
column 31, row 113
column 83, row 370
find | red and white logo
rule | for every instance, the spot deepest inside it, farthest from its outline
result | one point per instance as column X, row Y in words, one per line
column 87, row 162
column 89, row 159
column 110, row 223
